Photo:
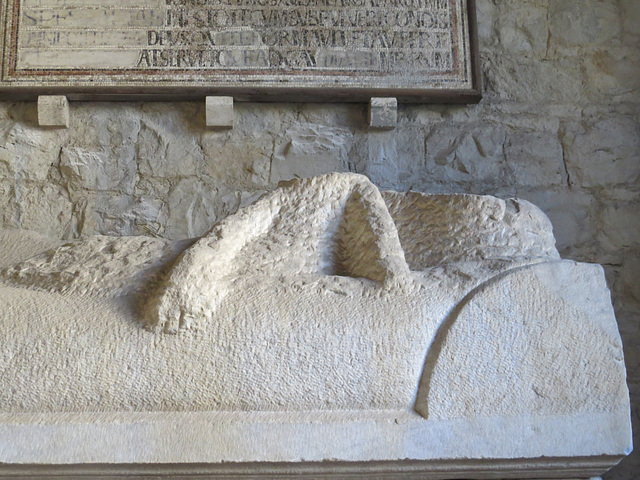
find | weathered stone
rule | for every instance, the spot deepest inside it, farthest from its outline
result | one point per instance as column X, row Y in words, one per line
column 376, row 150
column 419, row 115
column 620, row 227
column 487, row 15
column 126, row 214
column 168, row 144
column 630, row 288
column 191, row 209
column 53, row 111
column 231, row 202
column 383, row 112
column 410, row 156
column 8, row 207
column 535, row 158
column 614, row 73
column 604, row 152
column 96, row 170
column 107, row 140
column 341, row 115
column 521, row 29
column 44, row 208
column 517, row 78
column 251, row 163
column 573, row 215
column 27, row 153
column 533, row 118
column 580, row 22
column 219, row 112
column 630, row 16
column 308, row 150
column 351, row 290
column 472, row 152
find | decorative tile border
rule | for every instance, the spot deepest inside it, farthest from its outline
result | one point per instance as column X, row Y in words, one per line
column 417, row 50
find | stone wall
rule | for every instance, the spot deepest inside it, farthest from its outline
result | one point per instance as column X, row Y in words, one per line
column 559, row 125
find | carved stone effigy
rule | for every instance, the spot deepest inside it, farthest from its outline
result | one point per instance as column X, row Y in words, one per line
column 328, row 322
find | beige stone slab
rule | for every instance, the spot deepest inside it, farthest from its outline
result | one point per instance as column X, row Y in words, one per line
column 328, row 322
column 383, row 113
column 237, row 437
column 219, row 112
column 53, row 111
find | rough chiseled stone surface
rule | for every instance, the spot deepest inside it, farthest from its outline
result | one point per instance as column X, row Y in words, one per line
column 339, row 317
column 341, row 332
column 559, row 125
column 98, row 266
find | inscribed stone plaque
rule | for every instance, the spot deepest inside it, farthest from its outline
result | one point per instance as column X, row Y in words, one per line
column 416, row 50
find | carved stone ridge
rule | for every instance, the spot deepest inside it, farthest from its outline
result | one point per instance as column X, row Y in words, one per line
column 326, row 325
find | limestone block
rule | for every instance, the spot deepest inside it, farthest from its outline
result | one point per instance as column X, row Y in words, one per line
column 572, row 25
column 620, row 227
column 531, row 81
column 46, row 209
column 27, row 152
column 603, row 152
column 631, row 16
column 96, row 170
column 246, row 165
column 219, row 112
column 535, row 158
column 461, row 154
column 614, row 73
column 53, row 111
column 487, row 15
column 383, row 112
column 523, row 30
column 330, row 319
column 630, row 286
column 10, row 214
column 573, row 215
column 374, row 162
column 101, row 152
column 309, row 149
column 191, row 209
column 166, row 146
column 114, row 213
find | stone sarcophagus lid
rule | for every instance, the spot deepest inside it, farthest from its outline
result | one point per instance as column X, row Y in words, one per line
column 328, row 329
